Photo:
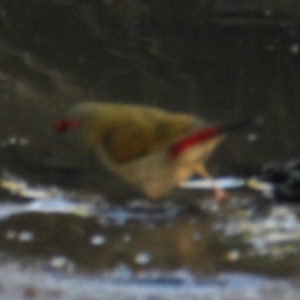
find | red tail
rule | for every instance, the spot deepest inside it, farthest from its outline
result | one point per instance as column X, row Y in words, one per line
column 202, row 136
column 197, row 138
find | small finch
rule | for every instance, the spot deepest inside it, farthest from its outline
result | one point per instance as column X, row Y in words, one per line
column 151, row 148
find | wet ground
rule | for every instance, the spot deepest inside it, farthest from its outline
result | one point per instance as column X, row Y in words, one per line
column 70, row 230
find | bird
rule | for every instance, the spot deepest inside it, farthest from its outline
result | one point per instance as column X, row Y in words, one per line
column 151, row 148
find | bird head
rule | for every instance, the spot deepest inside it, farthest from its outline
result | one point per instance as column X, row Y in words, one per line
column 66, row 124
column 88, row 118
column 79, row 116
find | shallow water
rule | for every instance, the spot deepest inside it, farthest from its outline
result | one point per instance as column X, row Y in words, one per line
column 62, row 244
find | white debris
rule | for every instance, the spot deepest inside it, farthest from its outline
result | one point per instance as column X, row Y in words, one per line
column 15, row 141
column 294, row 48
column 60, row 262
column 252, row 137
column 21, row 188
column 25, row 236
column 224, row 183
column 143, row 258
column 98, row 240
column 233, row 255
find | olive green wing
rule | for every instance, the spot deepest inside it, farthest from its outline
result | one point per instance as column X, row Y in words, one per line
column 142, row 134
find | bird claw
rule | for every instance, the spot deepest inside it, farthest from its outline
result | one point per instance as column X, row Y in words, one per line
column 221, row 195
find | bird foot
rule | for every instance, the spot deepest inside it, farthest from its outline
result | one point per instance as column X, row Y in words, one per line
column 221, row 195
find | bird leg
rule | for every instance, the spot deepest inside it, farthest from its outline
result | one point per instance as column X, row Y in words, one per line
column 220, row 194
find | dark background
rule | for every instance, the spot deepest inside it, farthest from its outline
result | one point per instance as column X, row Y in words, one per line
column 221, row 60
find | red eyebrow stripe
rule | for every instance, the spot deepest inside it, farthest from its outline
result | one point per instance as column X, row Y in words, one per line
column 65, row 124
column 198, row 138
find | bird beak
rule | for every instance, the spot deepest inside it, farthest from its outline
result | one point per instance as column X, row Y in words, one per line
column 65, row 124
